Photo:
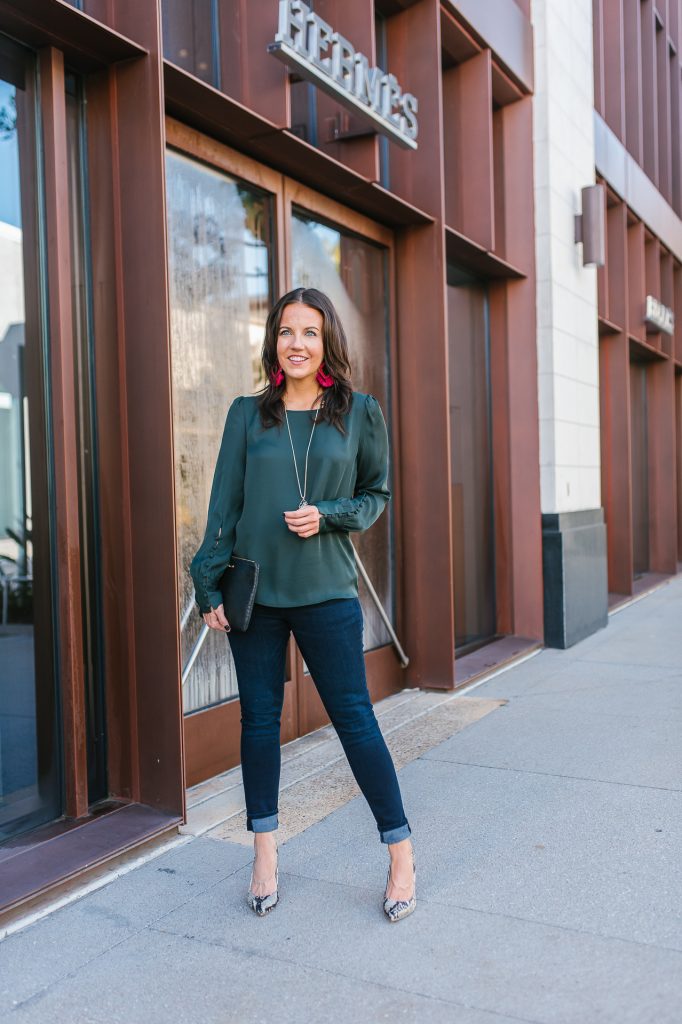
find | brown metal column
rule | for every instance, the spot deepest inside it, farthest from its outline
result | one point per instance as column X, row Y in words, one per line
column 145, row 433
column 614, row 398
column 516, row 465
column 662, row 468
column 678, row 458
column 422, row 366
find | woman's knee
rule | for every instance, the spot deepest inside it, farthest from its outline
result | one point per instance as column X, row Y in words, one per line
column 355, row 721
column 261, row 719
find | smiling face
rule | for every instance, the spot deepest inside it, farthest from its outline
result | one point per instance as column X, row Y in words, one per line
column 300, row 348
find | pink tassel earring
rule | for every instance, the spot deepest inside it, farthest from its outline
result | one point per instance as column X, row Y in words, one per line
column 277, row 376
column 324, row 379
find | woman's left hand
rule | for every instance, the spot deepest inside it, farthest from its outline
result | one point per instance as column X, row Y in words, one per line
column 304, row 521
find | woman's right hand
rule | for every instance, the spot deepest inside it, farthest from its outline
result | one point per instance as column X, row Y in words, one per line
column 216, row 619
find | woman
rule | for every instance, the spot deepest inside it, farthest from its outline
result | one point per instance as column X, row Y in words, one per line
column 301, row 466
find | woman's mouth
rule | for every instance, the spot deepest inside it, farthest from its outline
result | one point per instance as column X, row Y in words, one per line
column 297, row 359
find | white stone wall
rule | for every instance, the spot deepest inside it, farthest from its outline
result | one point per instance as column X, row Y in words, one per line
column 567, row 338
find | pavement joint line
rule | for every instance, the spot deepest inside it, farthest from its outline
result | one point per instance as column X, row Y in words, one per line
column 267, row 955
column 628, row 664
column 592, row 712
column 553, row 775
column 92, row 886
column 86, row 890
column 41, row 993
column 435, row 902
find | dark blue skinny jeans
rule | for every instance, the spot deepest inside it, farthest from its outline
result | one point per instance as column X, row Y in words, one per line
column 330, row 638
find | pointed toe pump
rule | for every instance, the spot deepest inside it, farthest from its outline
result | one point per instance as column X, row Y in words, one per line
column 395, row 910
column 262, row 904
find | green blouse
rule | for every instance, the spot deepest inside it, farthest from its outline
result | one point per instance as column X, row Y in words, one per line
column 254, row 483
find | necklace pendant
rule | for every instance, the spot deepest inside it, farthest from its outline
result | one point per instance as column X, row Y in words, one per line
column 302, row 503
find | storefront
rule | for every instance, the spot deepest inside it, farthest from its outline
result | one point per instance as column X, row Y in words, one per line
column 640, row 366
column 637, row 128
column 177, row 174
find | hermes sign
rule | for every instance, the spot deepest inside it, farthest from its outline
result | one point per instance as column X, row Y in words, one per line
column 311, row 46
column 658, row 317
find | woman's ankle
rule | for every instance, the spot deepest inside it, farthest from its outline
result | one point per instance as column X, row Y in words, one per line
column 401, row 849
column 265, row 841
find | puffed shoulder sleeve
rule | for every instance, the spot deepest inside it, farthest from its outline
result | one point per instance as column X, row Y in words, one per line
column 224, row 511
column 371, row 492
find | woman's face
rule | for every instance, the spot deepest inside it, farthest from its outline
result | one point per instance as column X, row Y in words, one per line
column 300, row 348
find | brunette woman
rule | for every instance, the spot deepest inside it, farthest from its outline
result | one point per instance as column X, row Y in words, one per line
column 302, row 466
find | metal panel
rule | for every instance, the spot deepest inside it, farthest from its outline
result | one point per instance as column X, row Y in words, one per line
column 503, row 26
column 468, row 149
column 631, row 183
column 87, row 44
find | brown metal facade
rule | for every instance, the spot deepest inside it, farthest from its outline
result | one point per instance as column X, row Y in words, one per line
column 464, row 198
column 638, row 91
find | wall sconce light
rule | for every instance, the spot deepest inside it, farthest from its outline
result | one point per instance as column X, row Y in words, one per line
column 589, row 225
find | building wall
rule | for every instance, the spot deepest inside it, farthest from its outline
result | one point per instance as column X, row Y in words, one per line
column 568, row 358
column 638, row 101
column 574, row 541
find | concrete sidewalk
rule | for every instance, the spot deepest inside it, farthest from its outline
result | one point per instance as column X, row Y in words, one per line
column 548, row 841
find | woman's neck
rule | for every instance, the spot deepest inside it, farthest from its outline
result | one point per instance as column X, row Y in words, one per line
column 296, row 398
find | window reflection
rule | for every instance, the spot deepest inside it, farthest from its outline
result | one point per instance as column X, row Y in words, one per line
column 352, row 271
column 220, row 253
column 190, row 37
column 29, row 772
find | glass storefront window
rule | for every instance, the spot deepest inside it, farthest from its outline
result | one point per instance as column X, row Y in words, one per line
column 30, row 785
column 190, row 37
column 353, row 272
column 221, row 273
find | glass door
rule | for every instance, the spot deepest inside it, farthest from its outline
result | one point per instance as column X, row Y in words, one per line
column 30, row 783
column 234, row 228
column 221, row 277
column 352, row 272
column 349, row 258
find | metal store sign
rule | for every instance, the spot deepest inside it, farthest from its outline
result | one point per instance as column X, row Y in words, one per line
column 659, row 317
column 306, row 42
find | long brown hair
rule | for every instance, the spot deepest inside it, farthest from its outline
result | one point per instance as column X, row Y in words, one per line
column 339, row 397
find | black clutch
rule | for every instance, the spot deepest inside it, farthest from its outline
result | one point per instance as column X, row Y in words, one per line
column 238, row 587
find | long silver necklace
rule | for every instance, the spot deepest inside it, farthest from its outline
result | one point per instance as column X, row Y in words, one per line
column 303, row 502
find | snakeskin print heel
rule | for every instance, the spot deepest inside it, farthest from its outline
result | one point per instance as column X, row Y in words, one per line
column 395, row 910
column 262, row 904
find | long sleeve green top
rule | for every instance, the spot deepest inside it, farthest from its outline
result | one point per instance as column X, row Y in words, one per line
column 255, row 482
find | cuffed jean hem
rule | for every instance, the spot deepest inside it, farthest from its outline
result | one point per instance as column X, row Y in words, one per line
column 267, row 824
column 394, row 835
